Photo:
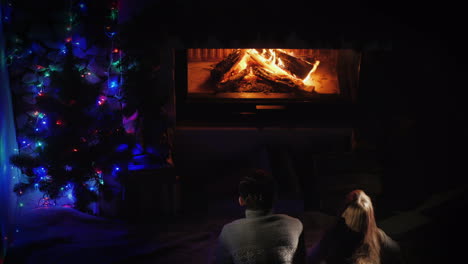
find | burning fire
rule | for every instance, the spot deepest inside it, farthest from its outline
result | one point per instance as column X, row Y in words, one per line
column 270, row 61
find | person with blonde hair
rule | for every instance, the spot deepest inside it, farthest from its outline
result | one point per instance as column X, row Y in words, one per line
column 356, row 238
column 376, row 246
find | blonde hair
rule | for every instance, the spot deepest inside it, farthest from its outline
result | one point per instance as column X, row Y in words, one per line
column 359, row 216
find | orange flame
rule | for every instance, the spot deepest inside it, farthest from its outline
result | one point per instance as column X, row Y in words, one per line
column 308, row 80
column 271, row 62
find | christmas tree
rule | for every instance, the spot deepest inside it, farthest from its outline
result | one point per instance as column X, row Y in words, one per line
column 68, row 104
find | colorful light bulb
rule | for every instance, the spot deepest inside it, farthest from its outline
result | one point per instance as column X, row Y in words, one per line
column 114, row 84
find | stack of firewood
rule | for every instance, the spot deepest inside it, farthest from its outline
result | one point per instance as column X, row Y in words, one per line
column 254, row 70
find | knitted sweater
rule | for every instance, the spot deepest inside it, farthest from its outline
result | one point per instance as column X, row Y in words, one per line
column 261, row 237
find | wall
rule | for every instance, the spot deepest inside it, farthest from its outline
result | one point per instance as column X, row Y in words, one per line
column 210, row 160
column 8, row 146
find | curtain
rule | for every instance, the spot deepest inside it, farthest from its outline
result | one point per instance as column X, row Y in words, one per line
column 8, row 146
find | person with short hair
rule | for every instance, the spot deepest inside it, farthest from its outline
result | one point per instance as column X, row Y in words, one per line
column 262, row 236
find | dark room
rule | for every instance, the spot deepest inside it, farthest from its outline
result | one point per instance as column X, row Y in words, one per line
column 150, row 131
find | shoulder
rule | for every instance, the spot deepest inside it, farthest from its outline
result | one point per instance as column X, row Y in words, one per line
column 288, row 218
column 230, row 230
column 293, row 221
column 232, row 225
column 388, row 244
column 235, row 226
column 387, row 240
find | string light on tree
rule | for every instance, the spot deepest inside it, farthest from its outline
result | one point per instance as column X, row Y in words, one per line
column 102, row 99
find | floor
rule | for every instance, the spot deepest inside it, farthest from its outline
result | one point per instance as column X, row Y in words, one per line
column 62, row 235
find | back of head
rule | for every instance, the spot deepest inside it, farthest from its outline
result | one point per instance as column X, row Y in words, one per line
column 359, row 216
column 258, row 189
column 359, row 212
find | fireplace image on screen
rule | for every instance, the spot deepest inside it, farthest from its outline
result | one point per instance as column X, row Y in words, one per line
column 270, row 73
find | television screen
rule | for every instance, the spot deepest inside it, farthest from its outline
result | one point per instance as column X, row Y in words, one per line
column 271, row 73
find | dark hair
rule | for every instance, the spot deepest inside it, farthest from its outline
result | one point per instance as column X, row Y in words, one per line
column 258, row 189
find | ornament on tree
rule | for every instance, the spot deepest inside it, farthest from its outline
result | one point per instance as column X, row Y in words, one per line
column 45, row 201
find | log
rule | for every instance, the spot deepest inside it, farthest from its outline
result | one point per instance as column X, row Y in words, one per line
column 263, row 81
column 263, row 74
column 257, row 77
column 232, row 83
column 225, row 65
column 296, row 66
